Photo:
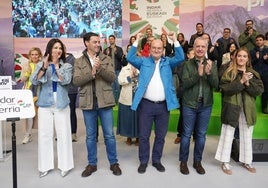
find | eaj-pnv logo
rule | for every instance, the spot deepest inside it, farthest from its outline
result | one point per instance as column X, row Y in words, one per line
column 11, row 104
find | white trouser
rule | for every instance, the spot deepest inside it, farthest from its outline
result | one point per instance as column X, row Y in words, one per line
column 223, row 152
column 47, row 118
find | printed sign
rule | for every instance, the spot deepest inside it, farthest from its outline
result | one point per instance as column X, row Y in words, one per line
column 5, row 82
column 160, row 15
column 16, row 104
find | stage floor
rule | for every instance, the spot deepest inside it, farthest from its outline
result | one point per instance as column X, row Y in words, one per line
column 28, row 176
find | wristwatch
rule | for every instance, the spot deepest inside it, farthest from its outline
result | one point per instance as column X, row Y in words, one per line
column 43, row 69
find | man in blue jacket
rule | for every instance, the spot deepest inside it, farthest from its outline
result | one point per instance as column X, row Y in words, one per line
column 154, row 97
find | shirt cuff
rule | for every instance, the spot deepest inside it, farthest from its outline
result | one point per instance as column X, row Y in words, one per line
column 177, row 44
column 135, row 44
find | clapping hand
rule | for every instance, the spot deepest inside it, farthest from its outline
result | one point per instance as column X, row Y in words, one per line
column 200, row 69
column 45, row 61
column 208, row 67
column 246, row 77
column 96, row 66
column 250, row 31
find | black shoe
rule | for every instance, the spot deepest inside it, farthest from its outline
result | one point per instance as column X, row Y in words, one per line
column 159, row 167
column 265, row 110
column 142, row 168
column 116, row 170
column 89, row 170
column 184, row 168
column 198, row 167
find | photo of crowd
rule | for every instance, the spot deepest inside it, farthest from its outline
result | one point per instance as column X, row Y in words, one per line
column 66, row 18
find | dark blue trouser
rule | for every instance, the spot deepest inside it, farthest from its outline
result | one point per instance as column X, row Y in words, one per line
column 148, row 114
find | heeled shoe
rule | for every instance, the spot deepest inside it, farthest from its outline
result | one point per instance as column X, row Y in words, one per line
column 64, row 173
column 43, row 174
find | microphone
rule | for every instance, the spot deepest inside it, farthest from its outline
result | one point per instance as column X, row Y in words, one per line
column 2, row 70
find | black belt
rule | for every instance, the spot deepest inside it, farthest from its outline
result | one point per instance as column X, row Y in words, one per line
column 156, row 102
column 200, row 99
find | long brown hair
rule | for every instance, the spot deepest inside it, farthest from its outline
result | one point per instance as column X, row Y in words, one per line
column 49, row 48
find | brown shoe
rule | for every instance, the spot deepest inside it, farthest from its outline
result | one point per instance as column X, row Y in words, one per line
column 129, row 141
column 184, row 168
column 249, row 167
column 116, row 170
column 89, row 170
column 137, row 142
column 198, row 167
column 177, row 140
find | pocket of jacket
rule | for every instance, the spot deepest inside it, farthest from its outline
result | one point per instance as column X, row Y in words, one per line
column 108, row 95
column 82, row 98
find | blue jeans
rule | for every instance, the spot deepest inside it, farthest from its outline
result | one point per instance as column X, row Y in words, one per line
column 194, row 119
column 106, row 118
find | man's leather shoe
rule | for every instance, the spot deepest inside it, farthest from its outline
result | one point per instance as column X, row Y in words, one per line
column 198, row 167
column 129, row 141
column 159, row 167
column 89, row 170
column 177, row 140
column 116, row 170
column 265, row 110
column 184, row 168
column 142, row 168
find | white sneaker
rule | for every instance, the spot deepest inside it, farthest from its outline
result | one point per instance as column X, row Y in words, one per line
column 27, row 139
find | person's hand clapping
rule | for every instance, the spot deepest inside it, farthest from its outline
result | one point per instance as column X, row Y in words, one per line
column 208, row 67
column 96, row 66
column 246, row 77
column 200, row 69
column 45, row 61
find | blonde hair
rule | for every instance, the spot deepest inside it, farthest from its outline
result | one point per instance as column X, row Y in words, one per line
column 233, row 66
column 34, row 49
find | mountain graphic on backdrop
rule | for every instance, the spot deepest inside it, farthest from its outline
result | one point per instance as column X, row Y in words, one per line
column 6, row 47
column 216, row 18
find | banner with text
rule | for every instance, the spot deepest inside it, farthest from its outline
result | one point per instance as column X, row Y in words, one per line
column 16, row 104
column 160, row 15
